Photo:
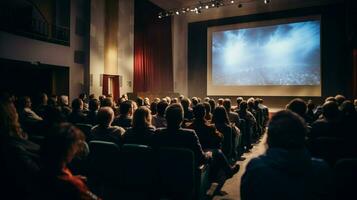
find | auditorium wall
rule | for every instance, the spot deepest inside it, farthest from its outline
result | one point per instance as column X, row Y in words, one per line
column 125, row 45
column 21, row 48
column 336, row 67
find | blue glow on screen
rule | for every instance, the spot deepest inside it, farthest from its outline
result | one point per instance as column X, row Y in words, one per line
column 284, row 54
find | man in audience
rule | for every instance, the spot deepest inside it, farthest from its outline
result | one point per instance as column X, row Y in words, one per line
column 77, row 115
column 104, row 131
column 125, row 115
column 188, row 115
column 298, row 106
column 233, row 116
column 239, row 100
column 286, row 170
column 159, row 119
column 93, row 111
column 63, row 106
column 29, row 120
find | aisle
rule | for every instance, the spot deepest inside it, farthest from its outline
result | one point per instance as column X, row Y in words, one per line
column 232, row 186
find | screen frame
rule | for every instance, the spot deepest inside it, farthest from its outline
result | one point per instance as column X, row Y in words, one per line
column 268, row 90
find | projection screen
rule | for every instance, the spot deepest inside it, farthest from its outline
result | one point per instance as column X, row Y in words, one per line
column 265, row 58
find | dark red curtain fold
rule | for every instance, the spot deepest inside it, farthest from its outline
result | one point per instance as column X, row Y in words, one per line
column 152, row 49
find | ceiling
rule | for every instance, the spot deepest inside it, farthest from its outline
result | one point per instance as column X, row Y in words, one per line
column 248, row 7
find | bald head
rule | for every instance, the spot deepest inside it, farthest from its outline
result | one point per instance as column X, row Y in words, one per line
column 105, row 116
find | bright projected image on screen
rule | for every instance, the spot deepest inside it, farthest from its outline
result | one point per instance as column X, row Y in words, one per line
column 283, row 54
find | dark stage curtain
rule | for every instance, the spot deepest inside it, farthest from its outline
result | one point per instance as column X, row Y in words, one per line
column 152, row 49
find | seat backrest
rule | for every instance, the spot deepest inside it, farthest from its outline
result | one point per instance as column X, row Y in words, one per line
column 138, row 165
column 86, row 129
column 177, row 172
column 346, row 178
column 330, row 149
column 104, row 160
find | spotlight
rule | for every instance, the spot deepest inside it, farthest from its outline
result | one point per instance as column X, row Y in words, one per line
column 232, row 1
column 206, row 6
column 212, row 4
column 177, row 12
column 266, row 1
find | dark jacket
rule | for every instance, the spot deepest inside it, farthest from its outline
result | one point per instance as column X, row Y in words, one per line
column 181, row 138
column 108, row 134
column 281, row 174
column 207, row 134
column 139, row 136
column 122, row 121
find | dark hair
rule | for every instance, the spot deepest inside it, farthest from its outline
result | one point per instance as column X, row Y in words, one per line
column 105, row 116
column 298, row 106
column 194, row 101
column 93, row 104
column 227, row 105
column 161, row 107
column 108, row 101
column 286, row 130
column 153, row 108
column 174, row 115
column 348, row 109
column 207, row 107
column 185, row 103
column 58, row 146
column 330, row 110
column 199, row 111
column 340, row 99
column 76, row 104
column 139, row 101
column 239, row 100
column 220, row 116
column 243, row 105
column 141, row 117
column 82, row 96
column 212, row 103
column 125, row 107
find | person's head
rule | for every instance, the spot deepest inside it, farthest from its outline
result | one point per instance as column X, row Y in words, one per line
column 181, row 97
column 61, row 146
column 77, row 104
column 174, row 116
column 105, row 116
column 146, row 101
column 93, row 105
column 168, row 99
column 161, row 107
column 330, row 99
column 310, row 105
column 355, row 102
column 185, row 103
column 199, row 111
column 207, row 107
column 227, row 104
column 239, row 100
column 139, row 101
column 108, row 101
column 298, row 106
column 206, row 99
column 126, row 108
column 287, row 130
column 250, row 103
column 43, row 99
column 63, row 100
column 83, row 96
column 330, row 110
column 194, row 101
column 220, row 101
column 174, row 100
column 348, row 109
column 91, row 96
column 243, row 105
column 124, row 96
column 220, row 116
column 142, row 117
column 9, row 119
column 153, row 108
column 24, row 102
column 212, row 103
column 340, row 99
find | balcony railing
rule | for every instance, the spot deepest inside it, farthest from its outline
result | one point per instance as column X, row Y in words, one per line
column 37, row 29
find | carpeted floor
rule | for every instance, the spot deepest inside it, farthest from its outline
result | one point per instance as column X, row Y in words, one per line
column 232, row 186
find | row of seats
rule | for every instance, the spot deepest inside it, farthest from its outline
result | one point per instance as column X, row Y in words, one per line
column 140, row 172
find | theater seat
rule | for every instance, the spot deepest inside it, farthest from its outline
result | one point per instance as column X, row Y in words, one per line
column 86, row 129
column 178, row 176
column 139, row 171
column 346, row 178
column 104, row 167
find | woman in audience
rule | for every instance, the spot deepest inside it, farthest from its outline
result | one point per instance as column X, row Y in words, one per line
column 159, row 120
column 208, row 115
column 286, row 170
column 56, row 180
column 212, row 104
column 142, row 131
column 250, row 123
column 104, row 131
column 18, row 156
column 229, row 131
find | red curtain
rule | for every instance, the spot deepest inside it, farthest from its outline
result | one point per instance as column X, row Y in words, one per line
column 115, row 88
column 152, row 49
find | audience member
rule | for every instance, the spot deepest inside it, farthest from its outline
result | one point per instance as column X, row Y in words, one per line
column 286, row 170
column 125, row 115
column 56, row 180
column 188, row 114
column 212, row 103
column 159, row 119
column 142, row 131
column 93, row 111
column 208, row 116
column 64, row 106
column 104, row 131
column 77, row 115
column 232, row 116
